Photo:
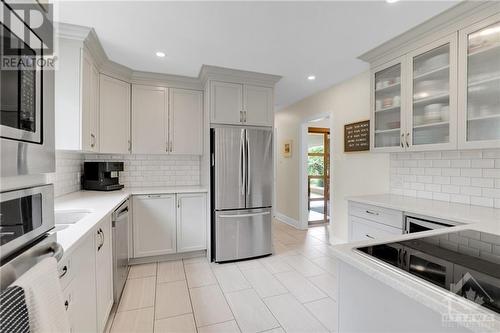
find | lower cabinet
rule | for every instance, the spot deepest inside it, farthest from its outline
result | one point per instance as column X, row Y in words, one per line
column 154, row 225
column 104, row 272
column 86, row 276
column 169, row 223
column 372, row 222
column 361, row 229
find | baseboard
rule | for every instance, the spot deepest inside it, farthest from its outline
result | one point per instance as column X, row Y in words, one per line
column 167, row 257
column 287, row 220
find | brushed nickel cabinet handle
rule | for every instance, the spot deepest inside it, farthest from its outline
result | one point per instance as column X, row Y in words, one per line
column 371, row 212
column 407, row 138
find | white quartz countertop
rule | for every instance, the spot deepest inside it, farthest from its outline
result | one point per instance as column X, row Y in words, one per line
column 472, row 217
column 100, row 204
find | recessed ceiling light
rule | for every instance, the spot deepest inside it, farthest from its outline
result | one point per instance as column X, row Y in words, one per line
column 311, row 77
column 160, row 54
column 391, row 1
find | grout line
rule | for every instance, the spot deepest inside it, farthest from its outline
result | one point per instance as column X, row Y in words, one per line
column 189, row 294
column 154, row 301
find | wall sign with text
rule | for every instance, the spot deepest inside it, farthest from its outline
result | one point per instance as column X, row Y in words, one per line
column 357, row 136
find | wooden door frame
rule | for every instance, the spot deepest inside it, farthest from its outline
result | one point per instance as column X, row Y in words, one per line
column 326, row 172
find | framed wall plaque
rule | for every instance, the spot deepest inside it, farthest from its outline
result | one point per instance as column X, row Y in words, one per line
column 357, row 136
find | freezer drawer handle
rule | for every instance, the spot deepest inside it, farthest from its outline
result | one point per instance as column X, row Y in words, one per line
column 246, row 215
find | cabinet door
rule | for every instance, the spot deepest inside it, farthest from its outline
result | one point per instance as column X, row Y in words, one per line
column 191, row 222
column 94, row 111
column 114, row 111
column 479, row 85
column 387, row 125
column 226, row 103
column 154, row 225
column 87, row 137
column 104, row 272
column 361, row 229
column 431, row 121
column 258, row 105
column 149, row 120
column 80, row 294
column 186, row 121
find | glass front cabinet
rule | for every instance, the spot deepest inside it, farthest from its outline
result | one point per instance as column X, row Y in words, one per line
column 479, row 85
column 444, row 95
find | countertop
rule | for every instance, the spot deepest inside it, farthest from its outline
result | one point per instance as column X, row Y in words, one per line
column 472, row 217
column 101, row 204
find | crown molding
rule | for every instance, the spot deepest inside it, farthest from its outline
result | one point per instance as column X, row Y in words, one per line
column 166, row 80
column 208, row 72
column 450, row 21
column 71, row 31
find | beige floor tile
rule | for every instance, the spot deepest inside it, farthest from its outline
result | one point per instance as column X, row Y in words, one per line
column 170, row 271
column 328, row 264
column 172, row 299
column 227, row 327
column 292, row 315
column 264, row 283
column 249, row 264
column 276, row 264
column 134, row 321
column 143, row 270
column 251, row 314
column 179, row 324
column 199, row 274
column 303, row 265
column 230, row 279
column 275, row 330
column 138, row 293
column 325, row 311
column 300, row 287
column 194, row 260
column 209, row 305
column 327, row 283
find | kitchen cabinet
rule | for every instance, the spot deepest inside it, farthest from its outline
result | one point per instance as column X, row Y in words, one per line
column 185, row 130
column 114, row 111
column 104, row 271
column 372, row 222
column 149, row 120
column 479, row 84
column 361, row 229
column 237, row 104
column 76, row 99
column 154, row 224
column 191, row 222
column 79, row 293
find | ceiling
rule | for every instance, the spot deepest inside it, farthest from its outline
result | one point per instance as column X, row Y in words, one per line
column 291, row 39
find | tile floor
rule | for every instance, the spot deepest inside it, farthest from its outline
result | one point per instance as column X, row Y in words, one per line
column 291, row 291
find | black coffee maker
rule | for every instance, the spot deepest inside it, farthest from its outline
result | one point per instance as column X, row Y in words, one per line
column 101, row 176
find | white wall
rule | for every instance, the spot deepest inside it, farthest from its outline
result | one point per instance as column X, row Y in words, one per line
column 351, row 173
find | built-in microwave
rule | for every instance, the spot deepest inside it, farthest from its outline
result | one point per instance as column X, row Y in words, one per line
column 25, row 215
column 26, row 100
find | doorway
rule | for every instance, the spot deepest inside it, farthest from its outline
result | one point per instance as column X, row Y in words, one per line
column 318, row 175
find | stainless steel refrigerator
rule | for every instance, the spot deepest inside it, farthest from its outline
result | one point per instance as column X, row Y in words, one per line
column 242, row 187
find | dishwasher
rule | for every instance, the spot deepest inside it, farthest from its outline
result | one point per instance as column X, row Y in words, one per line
column 120, row 249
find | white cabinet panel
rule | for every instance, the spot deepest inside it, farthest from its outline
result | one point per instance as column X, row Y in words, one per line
column 154, row 225
column 191, row 222
column 114, row 111
column 149, row 120
column 226, row 102
column 258, row 103
column 104, row 272
column 186, row 121
column 361, row 229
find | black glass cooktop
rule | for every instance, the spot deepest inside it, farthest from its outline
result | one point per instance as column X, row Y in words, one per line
column 466, row 263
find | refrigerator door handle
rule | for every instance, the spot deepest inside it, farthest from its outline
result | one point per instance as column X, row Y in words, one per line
column 242, row 162
column 245, row 215
column 248, row 162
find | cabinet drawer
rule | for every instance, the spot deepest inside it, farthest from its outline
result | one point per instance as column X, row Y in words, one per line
column 390, row 217
column 361, row 229
column 65, row 271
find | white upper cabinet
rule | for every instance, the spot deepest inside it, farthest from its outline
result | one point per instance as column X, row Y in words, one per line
column 387, row 125
column 241, row 104
column 186, row 121
column 431, row 121
column 226, row 103
column 258, row 103
column 76, row 99
column 114, row 111
column 149, row 120
column 479, row 84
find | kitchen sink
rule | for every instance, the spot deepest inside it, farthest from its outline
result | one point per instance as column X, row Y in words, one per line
column 70, row 216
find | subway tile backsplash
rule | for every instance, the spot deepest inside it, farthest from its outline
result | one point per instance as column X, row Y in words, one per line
column 139, row 170
column 468, row 176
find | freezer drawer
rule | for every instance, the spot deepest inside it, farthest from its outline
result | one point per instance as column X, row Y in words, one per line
column 242, row 234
